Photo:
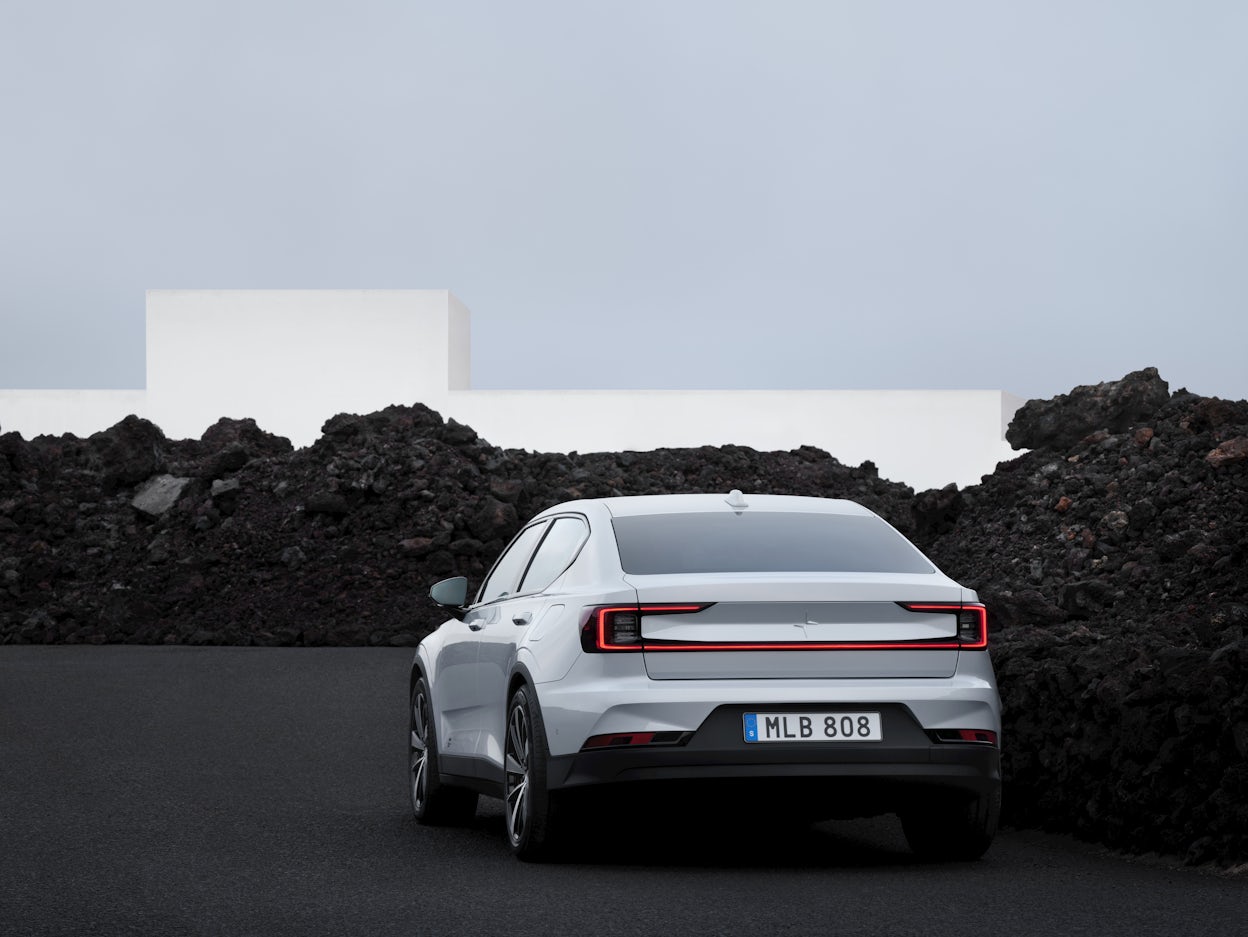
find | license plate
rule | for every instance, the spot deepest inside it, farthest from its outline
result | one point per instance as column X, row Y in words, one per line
column 813, row 727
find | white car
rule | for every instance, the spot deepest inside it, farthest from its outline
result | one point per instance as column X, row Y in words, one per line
column 763, row 638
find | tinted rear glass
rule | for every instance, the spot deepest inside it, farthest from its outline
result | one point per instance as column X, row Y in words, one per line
column 753, row 542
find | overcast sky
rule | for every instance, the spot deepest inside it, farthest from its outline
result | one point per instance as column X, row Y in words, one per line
column 1024, row 196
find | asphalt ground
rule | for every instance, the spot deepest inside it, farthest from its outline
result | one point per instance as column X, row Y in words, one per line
column 239, row 791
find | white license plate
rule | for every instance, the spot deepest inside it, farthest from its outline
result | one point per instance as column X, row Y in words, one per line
column 813, row 727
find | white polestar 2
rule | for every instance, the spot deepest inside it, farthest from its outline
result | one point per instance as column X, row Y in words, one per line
column 758, row 640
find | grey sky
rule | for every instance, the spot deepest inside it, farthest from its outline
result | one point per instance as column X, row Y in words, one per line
column 643, row 194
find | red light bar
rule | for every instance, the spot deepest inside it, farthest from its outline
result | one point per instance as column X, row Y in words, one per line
column 596, row 636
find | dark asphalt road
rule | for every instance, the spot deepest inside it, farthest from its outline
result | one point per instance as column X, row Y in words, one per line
column 236, row 791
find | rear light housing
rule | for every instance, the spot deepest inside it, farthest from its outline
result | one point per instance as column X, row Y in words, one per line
column 618, row 627
column 972, row 630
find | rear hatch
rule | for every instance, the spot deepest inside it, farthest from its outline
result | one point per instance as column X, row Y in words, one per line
column 826, row 625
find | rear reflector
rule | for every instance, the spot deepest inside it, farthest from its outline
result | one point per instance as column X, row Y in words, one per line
column 978, row 736
column 627, row 739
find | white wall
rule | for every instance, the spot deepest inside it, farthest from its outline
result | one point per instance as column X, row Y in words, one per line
column 81, row 412
column 293, row 358
column 925, row 438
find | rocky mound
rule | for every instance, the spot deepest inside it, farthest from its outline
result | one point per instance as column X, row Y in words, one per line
column 236, row 539
column 1111, row 557
column 1114, row 567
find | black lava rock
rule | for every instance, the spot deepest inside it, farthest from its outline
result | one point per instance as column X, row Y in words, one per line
column 1066, row 419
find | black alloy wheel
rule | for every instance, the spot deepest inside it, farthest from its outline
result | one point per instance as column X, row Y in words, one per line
column 433, row 802
column 531, row 810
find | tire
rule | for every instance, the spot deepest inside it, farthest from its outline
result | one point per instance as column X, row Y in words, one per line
column 433, row 802
column 533, row 814
column 953, row 830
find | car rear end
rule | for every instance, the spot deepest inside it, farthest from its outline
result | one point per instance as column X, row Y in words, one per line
column 781, row 640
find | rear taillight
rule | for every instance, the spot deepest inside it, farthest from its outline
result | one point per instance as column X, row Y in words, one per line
column 972, row 633
column 618, row 627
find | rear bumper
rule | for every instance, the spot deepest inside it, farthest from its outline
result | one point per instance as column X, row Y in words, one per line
column 906, row 762
column 611, row 693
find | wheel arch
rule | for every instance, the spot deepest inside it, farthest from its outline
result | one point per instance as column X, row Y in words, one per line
column 520, row 676
column 419, row 668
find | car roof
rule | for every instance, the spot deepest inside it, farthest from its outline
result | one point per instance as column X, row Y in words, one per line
column 713, row 503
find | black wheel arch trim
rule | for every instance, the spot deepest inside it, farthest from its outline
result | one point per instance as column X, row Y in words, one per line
column 521, row 671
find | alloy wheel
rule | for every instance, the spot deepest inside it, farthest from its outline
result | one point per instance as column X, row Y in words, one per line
column 419, row 751
column 518, row 756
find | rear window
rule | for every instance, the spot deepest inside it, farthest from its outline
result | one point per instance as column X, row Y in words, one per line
column 752, row 542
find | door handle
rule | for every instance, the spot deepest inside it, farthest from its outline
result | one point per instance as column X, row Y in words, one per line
column 522, row 618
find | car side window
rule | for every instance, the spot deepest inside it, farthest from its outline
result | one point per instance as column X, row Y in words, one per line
column 502, row 580
column 556, row 553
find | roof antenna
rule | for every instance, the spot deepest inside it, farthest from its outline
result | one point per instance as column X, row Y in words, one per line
column 736, row 500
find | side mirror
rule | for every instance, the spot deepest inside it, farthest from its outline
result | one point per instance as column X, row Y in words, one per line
column 451, row 595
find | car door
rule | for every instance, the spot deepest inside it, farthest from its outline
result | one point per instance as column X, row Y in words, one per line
column 455, row 694
column 518, row 614
column 483, row 618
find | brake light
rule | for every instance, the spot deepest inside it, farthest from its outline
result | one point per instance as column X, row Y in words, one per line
column 972, row 633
